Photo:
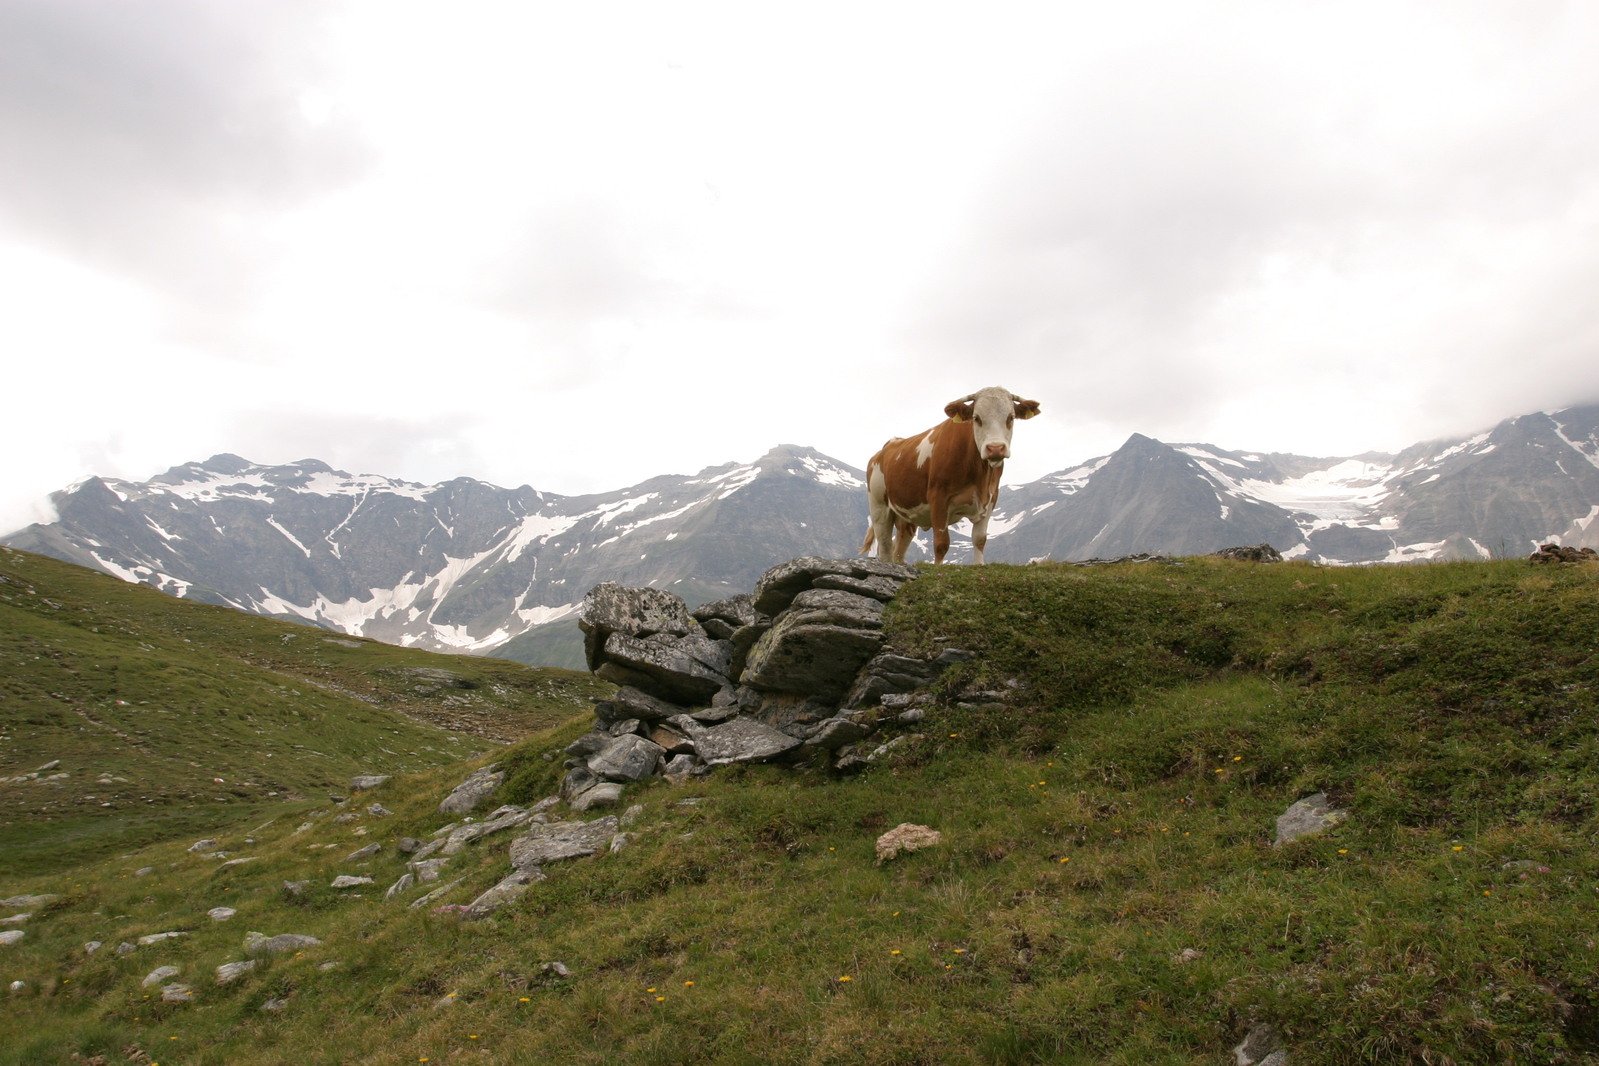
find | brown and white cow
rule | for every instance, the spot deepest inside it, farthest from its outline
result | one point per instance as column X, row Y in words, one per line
column 943, row 474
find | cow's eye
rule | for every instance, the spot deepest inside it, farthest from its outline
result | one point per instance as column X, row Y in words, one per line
column 978, row 420
column 1010, row 420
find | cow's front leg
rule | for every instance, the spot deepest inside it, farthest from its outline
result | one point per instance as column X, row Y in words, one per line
column 939, row 505
column 979, row 538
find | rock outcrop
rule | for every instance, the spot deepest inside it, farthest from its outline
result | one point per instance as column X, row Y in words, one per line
column 795, row 670
column 1559, row 553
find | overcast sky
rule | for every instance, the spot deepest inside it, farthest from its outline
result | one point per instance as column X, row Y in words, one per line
column 574, row 245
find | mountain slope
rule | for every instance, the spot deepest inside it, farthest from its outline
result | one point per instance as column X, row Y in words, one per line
column 159, row 714
column 1106, row 888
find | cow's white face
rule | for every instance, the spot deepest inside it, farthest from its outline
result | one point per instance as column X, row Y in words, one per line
column 992, row 412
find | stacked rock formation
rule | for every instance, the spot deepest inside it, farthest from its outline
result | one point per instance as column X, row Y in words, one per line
column 1560, row 553
column 796, row 670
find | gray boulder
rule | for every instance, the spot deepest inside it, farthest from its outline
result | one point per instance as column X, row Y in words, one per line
column 635, row 612
column 626, row 758
column 686, row 670
column 366, row 781
column 603, row 794
column 834, row 733
column 589, row 743
column 473, row 792
column 819, row 658
column 544, row 844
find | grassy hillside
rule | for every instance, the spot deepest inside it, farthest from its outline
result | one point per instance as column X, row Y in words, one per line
column 1107, row 890
column 164, row 717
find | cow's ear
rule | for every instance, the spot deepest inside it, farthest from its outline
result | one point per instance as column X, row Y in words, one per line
column 961, row 410
column 1025, row 408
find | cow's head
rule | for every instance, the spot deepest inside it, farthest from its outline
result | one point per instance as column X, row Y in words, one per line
column 992, row 412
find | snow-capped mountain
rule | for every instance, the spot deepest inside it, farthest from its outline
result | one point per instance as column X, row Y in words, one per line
column 459, row 566
column 468, row 566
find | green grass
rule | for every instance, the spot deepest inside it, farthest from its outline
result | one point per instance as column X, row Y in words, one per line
column 169, row 718
column 1114, row 811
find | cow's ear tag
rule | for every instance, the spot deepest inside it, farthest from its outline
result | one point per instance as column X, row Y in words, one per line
column 957, row 417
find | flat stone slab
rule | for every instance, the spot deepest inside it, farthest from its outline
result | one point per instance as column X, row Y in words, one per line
column 740, row 740
column 629, row 702
column 544, row 844
column 779, row 585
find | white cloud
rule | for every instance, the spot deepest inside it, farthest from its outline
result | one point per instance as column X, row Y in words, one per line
column 574, row 246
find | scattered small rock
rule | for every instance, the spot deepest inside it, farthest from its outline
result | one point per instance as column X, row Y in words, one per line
column 156, row 938
column 1263, row 1046
column 177, row 994
column 508, row 889
column 347, row 881
column 229, row 972
column 259, row 944
column 13, row 936
column 220, row 914
column 159, row 974
column 1307, row 817
column 905, row 837
column 471, row 793
column 367, row 781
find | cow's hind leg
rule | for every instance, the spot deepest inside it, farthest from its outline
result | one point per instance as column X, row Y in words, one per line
column 904, row 534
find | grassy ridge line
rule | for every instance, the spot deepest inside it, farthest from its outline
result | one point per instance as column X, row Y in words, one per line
column 1113, row 815
column 167, row 717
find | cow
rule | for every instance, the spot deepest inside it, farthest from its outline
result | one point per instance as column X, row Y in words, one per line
column 943, row 474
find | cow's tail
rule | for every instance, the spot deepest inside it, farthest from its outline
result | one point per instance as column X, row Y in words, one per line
column 871, row 536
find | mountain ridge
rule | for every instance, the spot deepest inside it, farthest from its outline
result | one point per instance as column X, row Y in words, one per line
column 467, row 566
